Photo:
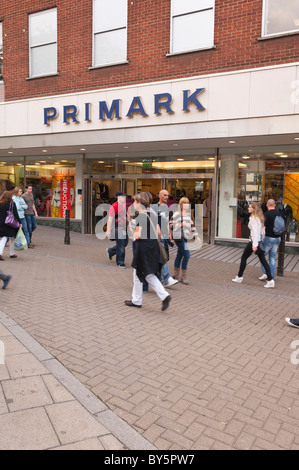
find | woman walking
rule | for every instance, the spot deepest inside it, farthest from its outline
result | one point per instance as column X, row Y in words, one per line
column 182, row 227
column 21, row 206
column 5, row 230
column 257, row 233
column 146, row 261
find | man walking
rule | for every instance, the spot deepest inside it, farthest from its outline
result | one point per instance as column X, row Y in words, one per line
column 30, row 213
column 271, row 241
column 161, row 209
column 118, row 215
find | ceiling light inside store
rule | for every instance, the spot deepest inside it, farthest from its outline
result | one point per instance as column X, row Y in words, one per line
column 284, row 156
column 245, row 157
column 180, row 159
column 231, row 141
column 83, row 150
column 125, row 161
column 10, row 152
column 101, row 161
column 296, row 138
column 44, row 151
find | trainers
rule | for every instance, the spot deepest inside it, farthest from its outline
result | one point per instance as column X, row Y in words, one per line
column 238, row 280
column 293, row 322
column 263, row 277
column 270, row 284
column 6, row 281
column 108, row 254
column 123, row 266
column 171, row 282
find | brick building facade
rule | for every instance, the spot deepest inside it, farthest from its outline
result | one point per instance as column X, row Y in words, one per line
column 146, row 94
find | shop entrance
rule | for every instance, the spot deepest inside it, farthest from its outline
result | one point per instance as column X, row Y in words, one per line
column 100, row 189
column 199, row 192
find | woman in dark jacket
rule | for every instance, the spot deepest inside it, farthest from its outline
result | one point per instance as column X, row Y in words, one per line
column 146, row 261
column 6, row 231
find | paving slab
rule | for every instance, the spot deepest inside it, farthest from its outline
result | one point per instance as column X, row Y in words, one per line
column 213, row 371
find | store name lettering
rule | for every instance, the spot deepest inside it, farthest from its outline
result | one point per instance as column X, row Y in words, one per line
column 162, row 101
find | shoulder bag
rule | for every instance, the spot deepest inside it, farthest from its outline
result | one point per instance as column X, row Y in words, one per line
column 10, row 218
column 163, row 252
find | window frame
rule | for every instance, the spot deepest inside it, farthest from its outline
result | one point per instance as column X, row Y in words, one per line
column 97, row 33
column 264, row 25
column 199, row 10
column 31, row 48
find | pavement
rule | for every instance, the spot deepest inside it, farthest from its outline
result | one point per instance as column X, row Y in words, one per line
column 80, row 370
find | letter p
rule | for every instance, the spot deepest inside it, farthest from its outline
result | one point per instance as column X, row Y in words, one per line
column 49, row 113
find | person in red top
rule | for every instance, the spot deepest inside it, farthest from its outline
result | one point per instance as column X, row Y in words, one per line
column 117, row 229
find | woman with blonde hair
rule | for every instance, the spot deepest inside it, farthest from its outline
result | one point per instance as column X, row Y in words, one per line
column 183, row 229
column 257, row 234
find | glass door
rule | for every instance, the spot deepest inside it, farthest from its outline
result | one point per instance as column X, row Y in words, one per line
column 199, row 192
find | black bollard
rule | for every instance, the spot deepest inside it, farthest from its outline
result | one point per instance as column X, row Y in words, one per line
column 281, row 252
column 67, row 240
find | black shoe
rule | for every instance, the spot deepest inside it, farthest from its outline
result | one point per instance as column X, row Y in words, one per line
column 6, row 281
column 293, row 322
column 129, row 303
column 123, row 266
column 165, row 303
column 108, row 254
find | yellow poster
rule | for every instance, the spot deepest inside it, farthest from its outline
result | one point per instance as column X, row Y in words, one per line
column 291, row 192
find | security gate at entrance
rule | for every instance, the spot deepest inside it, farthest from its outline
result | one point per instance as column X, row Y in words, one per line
column 101, row 189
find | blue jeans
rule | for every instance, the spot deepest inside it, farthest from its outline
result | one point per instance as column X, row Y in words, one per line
column 25, row 229
column 183, row 255
column 31, row 224
column 271, row 247
column 119, row 249
column 165, row 274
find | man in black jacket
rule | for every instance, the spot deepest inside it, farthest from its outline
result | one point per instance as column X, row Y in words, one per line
column 271, row 241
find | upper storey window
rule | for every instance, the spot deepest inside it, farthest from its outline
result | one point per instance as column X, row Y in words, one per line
column 109, row 32
column 280, row 17
column 192, row 25
column 1, row 52
column 43, row 43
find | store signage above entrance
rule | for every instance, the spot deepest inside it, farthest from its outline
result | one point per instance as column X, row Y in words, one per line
column 161, row 101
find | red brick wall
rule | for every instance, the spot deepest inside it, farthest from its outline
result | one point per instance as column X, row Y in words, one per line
column 237, row 29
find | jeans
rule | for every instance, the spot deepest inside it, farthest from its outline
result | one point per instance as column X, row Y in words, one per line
column 183, row 254
column 165, row 269
column 261, row 254
column 119, row 249
column 25, row 229
column 271, row 247
column 31, row 224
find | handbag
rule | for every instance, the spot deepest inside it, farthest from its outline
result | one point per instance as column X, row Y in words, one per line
column 163, row 252
column 10, row 218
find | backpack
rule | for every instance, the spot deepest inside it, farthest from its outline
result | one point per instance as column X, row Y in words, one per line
column 279, row 225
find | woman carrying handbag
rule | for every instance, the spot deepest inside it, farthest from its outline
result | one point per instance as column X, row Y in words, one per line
column 7, row 231
column 257, row 233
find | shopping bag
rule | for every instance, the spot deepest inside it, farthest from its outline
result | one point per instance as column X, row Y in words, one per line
column 20, row 242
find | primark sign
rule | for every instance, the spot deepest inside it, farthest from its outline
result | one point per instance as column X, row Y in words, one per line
column 161, row 102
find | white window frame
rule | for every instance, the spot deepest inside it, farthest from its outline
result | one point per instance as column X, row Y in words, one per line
column 54, row 72
column 1, row 48
column 103, row 31
column 190, row 12
column 264, row 25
